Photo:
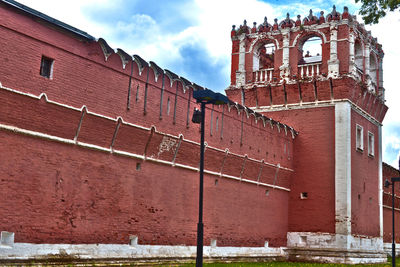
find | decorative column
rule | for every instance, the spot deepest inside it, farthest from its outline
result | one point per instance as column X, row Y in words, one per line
column 366, row 67
column 343, row 171
column 333, row 62
column 352, row 62
column 241, row 73
column 285, row 68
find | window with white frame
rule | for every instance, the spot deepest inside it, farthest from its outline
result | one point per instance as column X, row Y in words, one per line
column 359, row 138
column 371, row 144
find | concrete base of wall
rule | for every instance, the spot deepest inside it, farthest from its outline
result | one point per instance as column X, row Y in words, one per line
column 26, row 252
column 387, row 247
column 335, row 248
column 335, row 256
column 305, row 247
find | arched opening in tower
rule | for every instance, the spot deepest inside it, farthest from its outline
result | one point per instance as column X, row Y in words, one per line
column 359, row 58
column 310, row 50
column 310, row 56
column 264, row 57
column 263, row 61
column 373, row 67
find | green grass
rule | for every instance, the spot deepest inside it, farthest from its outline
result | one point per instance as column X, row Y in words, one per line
column 290, row 264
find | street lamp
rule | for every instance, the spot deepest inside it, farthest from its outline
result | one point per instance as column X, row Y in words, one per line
column 387, row 184
column 203, row 97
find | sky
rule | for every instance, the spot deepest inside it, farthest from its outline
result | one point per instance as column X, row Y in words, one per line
column 192, row 37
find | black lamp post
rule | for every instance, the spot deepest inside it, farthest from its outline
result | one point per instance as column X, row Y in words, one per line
column 387, row 184
column 203, row 97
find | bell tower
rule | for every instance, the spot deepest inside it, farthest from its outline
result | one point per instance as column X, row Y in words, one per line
column 321, row 74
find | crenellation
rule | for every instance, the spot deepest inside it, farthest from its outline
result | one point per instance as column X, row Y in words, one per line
column 107, row 50
column 125, row 57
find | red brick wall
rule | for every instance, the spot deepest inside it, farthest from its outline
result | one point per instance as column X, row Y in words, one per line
column 82, row 77
column 314, row 164
column 59, row 193
column 388, row 173
column 63, row 193
column 364, row 180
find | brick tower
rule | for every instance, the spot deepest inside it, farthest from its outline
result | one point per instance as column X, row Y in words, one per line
column 335, row 99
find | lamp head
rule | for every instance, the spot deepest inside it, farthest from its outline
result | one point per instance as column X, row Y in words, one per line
column 209, row 97
column 196, row 118
column 387, row 183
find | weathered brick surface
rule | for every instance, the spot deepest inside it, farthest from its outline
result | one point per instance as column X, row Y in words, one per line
column 57, row 193
column 364, row 180
column 314, row 164
column 389, row 172
column 63, row 193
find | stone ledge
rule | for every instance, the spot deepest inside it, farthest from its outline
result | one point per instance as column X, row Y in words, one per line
column 335, row 255
column 85, row 252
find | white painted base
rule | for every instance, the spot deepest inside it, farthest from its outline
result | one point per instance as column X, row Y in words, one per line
column 27, row 251
column 302, row 246
column 335, row 248
column 387, row 247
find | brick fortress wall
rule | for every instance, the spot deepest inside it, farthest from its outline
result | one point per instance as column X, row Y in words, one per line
column 105, row 149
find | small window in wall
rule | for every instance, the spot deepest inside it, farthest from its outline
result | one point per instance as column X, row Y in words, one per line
column 359, row 138
column 46, row 67
column 371, row 144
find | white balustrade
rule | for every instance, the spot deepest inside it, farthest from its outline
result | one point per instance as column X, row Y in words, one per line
column 309, row 70
column 263, row 75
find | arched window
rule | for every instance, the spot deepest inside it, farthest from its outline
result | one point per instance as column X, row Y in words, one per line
column 263, row 58
column 373, row 67
column 310, row 57
column 358, row 57
column 263, row 62
column 310, row 50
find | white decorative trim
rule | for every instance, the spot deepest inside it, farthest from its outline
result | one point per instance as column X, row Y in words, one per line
column 343, row 168
column 296, row 39
column 128, row 154
column 371, row 144
column 116, row 119
column 359, row 138
column 323, row 103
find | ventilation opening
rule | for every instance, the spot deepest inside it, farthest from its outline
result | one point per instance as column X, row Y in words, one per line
column 168, row 106
column 46, row 67
column 267, row 192
column 304, row 195
column 138, row 166
column 137, row 94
